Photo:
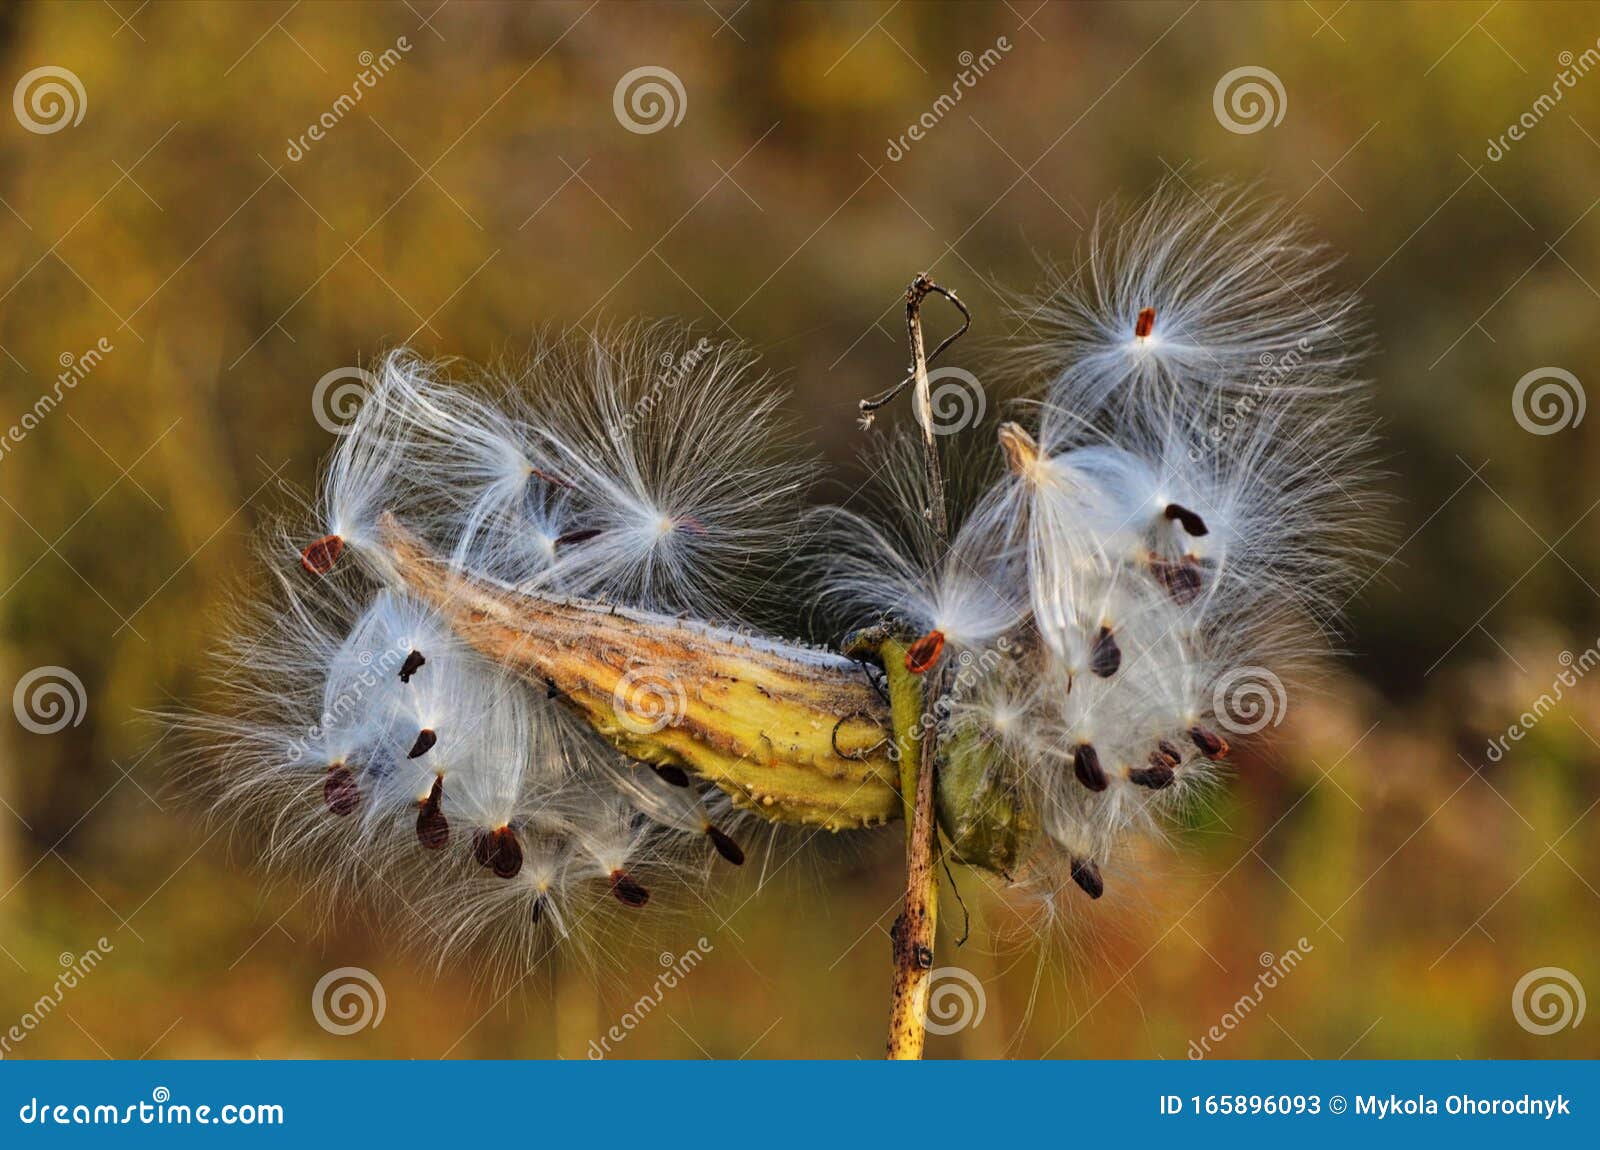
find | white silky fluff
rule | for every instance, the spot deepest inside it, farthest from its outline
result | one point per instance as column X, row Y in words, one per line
column 1197, row 497
column 399, row 768
column 1176, row 508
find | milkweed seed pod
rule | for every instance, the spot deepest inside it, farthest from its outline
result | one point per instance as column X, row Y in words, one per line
column 507, row 687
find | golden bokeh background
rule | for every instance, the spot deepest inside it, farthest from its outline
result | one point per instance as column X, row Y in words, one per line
column 484, row 188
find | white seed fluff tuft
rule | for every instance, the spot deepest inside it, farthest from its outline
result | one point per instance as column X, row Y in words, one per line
column 1183, row 508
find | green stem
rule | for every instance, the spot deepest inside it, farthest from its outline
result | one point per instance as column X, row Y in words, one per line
column 915, row 929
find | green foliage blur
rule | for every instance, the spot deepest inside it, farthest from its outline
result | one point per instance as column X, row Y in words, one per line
column 484, row 189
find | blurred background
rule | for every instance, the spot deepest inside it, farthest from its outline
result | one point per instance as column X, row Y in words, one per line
column 181, row 260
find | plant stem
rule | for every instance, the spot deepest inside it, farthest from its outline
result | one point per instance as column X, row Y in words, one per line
column 922, row 404
column 915, row 928
column 912, row 702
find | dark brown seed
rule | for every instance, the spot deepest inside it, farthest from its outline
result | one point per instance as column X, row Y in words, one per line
column 1105, row 656
column 1181, row 577
column 1167, row 755
column 677, row 776
column 725, row 845
column 1087, row 876
column 1146, row 323
column 1190, row 522
column 413, row 663
column 1086, row 765
column 538, row 910
column 1211, row 744
column 1156, row 778
column 553, row 480
column 507, row 854
column 339, row 791
column 320, row 557
column 433, row 829
column 580, row 536
column 424, row 743
column 925, row 652
column 628, row 892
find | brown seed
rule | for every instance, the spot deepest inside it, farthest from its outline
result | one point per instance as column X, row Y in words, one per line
column 1190, row 522
column 1167, row 755
column 1087, row 876
column 1211, row 744
column 690, row 524
column 1146, row 323
column 628, row 892
column 339, row 791
column 1181, row 577
column 1156, row 778
column 925, row 652
column 1086, row 765
column 320, row 557
column 507, row 855
column 425, row 740
column 537, row 913
column 553, row 480
column 413, row 663
column 582, row 535
column 677, row 776
column 725, row 845
column 1105, row 656
column 433, row 829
